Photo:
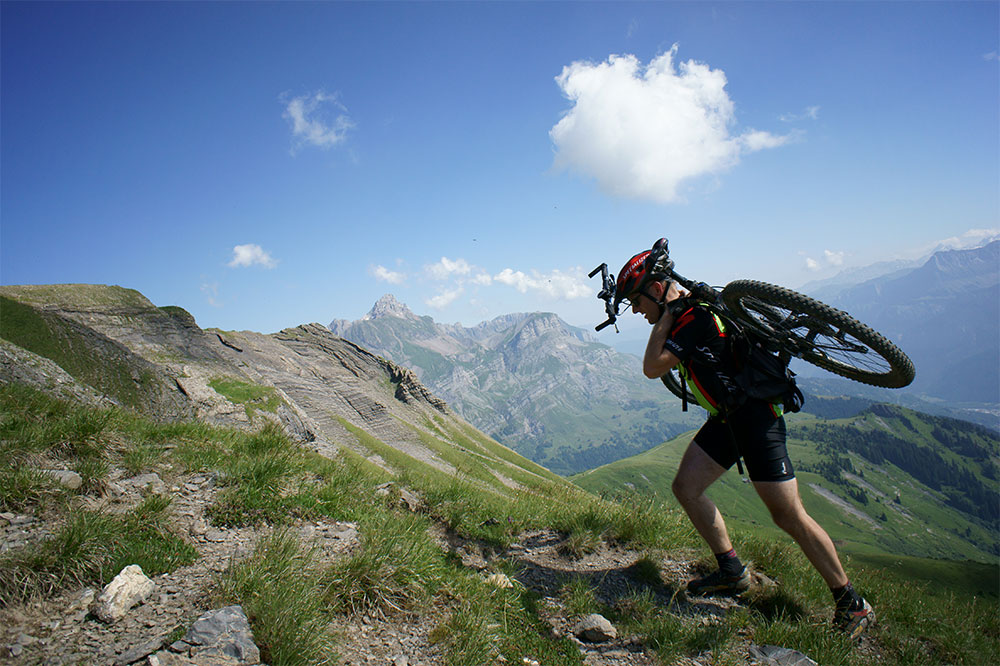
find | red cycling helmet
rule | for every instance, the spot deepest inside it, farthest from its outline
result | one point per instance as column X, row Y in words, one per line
column 641, row 269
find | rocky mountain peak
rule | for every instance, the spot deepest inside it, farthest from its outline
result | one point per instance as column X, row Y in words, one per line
column 388, row 306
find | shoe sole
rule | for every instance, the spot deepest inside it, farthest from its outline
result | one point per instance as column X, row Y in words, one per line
column 863, row 625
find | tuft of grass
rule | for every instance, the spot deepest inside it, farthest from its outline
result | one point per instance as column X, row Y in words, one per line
column 579, row 597
column 253, row 397
column 580, row 543
column 92, row 547
column 22, row 486
column 141, row 458
column 647, row 570
column 397, row 568
column 661, row 631
column 492, row 625
column 280, row 588
column 256, row 473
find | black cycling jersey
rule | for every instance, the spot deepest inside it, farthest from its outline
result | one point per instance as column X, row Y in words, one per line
column 699, row 339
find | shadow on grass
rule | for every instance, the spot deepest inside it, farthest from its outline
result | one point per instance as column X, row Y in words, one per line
column 775, row 603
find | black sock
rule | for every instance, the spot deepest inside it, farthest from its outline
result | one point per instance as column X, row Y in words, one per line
column 846, row 597
column 729, row 563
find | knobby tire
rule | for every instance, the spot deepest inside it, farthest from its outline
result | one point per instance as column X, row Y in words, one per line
column 818, row 333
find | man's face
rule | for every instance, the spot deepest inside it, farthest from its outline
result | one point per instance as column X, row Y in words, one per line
column 647, row 307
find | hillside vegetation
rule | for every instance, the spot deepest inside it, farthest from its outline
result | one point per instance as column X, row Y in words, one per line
column 890, row 485
column 350, row 513
column 296, row 596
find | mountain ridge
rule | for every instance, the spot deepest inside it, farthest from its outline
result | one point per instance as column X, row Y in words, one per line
column 547, row 389
column 325, row 384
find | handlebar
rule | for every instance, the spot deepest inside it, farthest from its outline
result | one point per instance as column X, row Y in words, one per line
column 607, row 294
column 699, row 290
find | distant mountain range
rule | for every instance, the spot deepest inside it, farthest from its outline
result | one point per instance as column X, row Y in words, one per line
column 944, row 313
column 548, row 390
column 555, row 394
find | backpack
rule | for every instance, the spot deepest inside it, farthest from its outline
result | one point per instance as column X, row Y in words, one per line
column 762, row 374
column 759, row 373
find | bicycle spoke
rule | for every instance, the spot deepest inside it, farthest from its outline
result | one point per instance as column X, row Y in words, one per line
column 819, row 334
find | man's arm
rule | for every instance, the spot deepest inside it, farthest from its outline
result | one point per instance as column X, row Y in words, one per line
column 658, row 360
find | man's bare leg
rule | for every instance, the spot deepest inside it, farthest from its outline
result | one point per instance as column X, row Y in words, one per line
column 696, row 473
column 783, row 501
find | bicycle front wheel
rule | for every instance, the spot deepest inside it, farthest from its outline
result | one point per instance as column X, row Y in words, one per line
column 818, row 333
column 676, row 385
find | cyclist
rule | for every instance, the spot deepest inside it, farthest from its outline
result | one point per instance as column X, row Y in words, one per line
column 689, row 336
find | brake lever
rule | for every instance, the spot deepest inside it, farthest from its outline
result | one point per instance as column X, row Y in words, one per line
column 607, row 294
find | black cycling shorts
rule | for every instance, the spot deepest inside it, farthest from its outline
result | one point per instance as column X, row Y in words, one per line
column 761, row 438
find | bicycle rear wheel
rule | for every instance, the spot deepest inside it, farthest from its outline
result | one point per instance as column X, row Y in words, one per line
column 818, row 333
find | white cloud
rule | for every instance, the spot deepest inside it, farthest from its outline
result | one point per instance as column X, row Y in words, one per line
column 642, row 130
column 810, row 113
column 211, row 291
column 834, row 258
column 992, row 55
column 383, row 274
column 755, row 140
column 446, row 267
column 482, row 279
column 556, row 284
column 829, row 258
column 443, row 298
column 318, row 120
column 249, row 255
column 969, row 239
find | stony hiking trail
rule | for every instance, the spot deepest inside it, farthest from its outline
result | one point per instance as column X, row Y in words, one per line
column 61, row 630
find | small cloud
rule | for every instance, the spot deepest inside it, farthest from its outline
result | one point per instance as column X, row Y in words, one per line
column 383, row 274
column 828, row 260
column 445, row 268
column 443, row 298
column 641, row 131
column 318, row 120
column 250, row 255
column 992, row 55
column 754, row 141
column 834, row 258
column 482, row 279
column 810, row 113
column 555, row 285
column 211, row 291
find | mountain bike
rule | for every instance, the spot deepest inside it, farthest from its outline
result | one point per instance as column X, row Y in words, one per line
column 792, row 325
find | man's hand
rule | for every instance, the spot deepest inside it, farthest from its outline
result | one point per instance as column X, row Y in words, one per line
column 658, row 361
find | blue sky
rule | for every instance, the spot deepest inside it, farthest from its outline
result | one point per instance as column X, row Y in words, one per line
column 265, row 165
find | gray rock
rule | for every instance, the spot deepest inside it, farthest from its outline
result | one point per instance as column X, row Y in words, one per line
column 223, row 633
column 773, row 655
column 151, row 482
column 595, row 628
column 138, row 652
column 66, row 478
column 404, row 498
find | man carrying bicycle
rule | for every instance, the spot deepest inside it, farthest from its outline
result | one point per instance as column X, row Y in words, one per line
column 690, row 337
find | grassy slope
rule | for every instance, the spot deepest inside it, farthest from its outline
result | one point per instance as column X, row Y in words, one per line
column 110, row 368
column 291, row 596
column 919, row 537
